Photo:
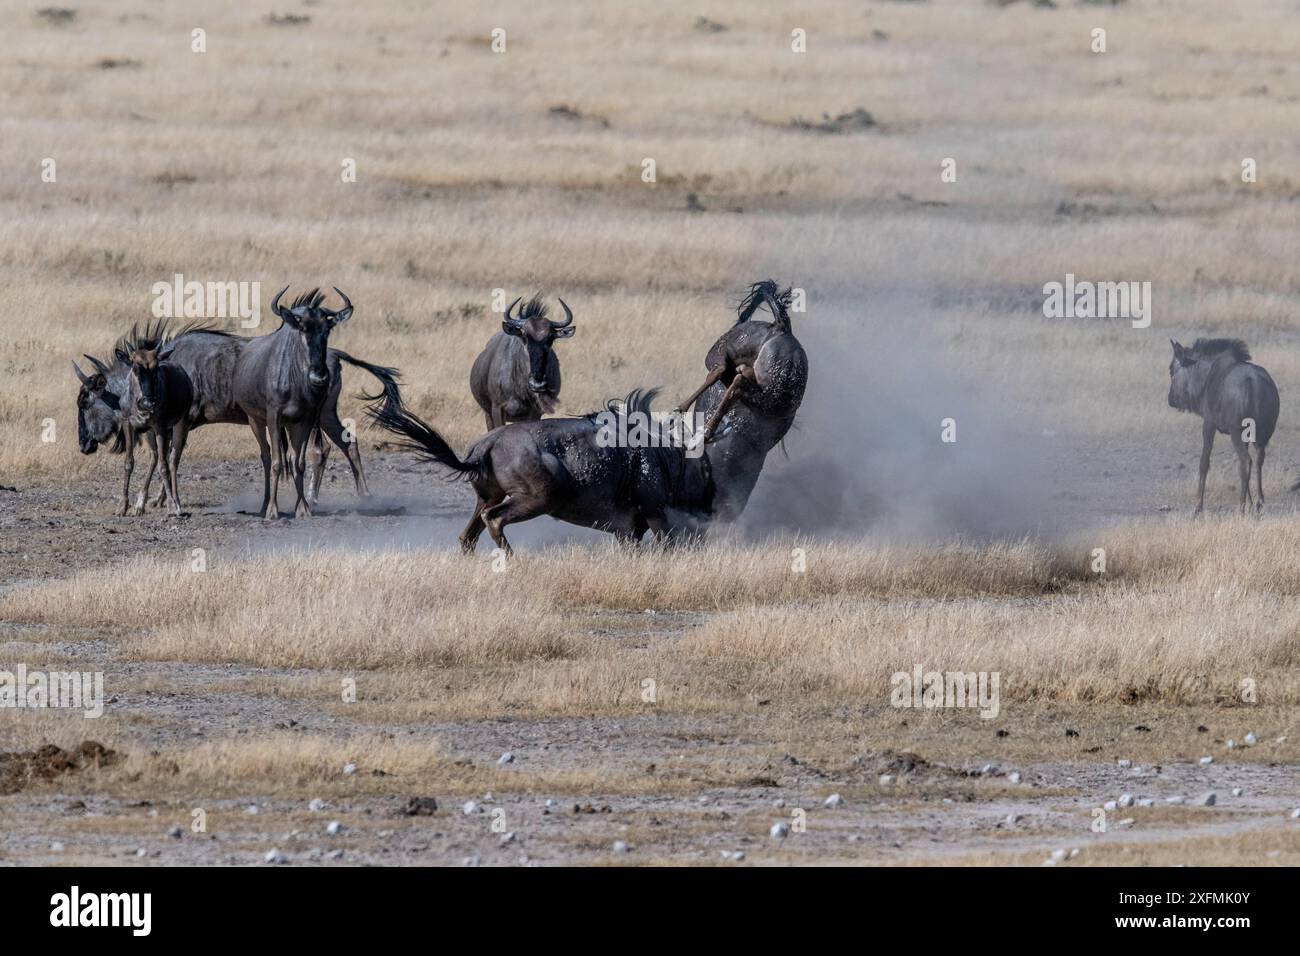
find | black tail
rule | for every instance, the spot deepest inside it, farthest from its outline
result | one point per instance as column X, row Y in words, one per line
column 391, row 394
column 770, row 294
column 422, row 439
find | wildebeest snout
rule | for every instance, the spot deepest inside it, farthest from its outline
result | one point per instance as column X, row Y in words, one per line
column 317, row 378
column 535, row 385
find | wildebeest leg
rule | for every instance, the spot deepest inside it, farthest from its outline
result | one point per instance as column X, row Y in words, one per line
column 180, row 434
column 317, row 456
column 259, row 432
column 469, row 537
column 330, row 424
column 1242, row 448
column 164, row 492
column 1207, row 445
column 299, row 435
column 743, row 373
column 143, row 498
column 128, row 466
column 511, row 510
column 272, row 510
column 709, row 381
column 164, row 454
column 1259, row 477
column 489, row 420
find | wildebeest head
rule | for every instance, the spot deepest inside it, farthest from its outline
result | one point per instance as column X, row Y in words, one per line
column 1189, row 369
column 148, row 385
column 98, row 407
column 534, row 327
column 313, row 322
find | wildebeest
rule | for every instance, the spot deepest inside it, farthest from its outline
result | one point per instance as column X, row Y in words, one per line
column 208, row 356
column 158, row 398
column 565, row 468
column 1216, row 380
column 757, row 373
column 282, row 380
column 516, row 378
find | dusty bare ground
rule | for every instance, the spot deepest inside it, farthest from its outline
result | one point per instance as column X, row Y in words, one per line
column 672, row 785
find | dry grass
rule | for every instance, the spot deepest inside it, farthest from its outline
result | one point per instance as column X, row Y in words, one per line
column 1124, row 165
column 1183, row 615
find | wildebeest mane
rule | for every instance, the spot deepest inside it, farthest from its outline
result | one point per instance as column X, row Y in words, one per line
column 1211, row 347
column 156, row 334
column 534, row 308
column 311, row 300
column 770, row 294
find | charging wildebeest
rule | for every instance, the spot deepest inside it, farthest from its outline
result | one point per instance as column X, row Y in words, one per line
column 516, row 378
column 757, row 373
column 208, row 356
column 1216, row 380
column 282, row 381
column 569, row 469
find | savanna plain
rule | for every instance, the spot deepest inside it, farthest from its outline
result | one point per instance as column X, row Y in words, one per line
column 349, row 688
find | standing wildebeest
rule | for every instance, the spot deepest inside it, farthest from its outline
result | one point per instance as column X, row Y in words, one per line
column 158, row 399
column 282, row 381
column 568, row 469
column 1216, row 379
column 757, row 372
column 516, row 378
column 208, row 356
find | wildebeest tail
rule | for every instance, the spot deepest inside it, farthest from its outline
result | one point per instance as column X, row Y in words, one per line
column 767, row 293
column 391, row 394
column 422, row 439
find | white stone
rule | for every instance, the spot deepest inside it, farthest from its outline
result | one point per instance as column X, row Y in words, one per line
column 274, row 856
column 506, row 758
column 1236, row 791
column 1208, row 799
column 834, row 800
column 470, row 808
column 1126, row 799
column 779, row 831
column 886, row 779
column 317, row 804
column 1109, row 805
column 1206, row 761
column 1014, row 776
column 349, row 768
column 1250, row 740
column 334, row 828
column 621, row 847
column 1146, row 802
column 1126, row 763
column 1174, row 800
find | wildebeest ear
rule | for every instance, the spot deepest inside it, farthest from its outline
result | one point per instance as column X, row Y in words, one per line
column 343, row 314
column 565, row 332
column 166, row 351
column 1178, row 349
column 511, row 329
column 121, row 356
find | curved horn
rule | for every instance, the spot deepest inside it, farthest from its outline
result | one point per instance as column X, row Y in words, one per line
column 568, row 318
column 85, row 379
column 343, row 314
column 513, row 321
column 275, row 303
column 100, row 367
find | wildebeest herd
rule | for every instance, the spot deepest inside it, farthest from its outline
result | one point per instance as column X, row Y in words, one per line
column 160, row 382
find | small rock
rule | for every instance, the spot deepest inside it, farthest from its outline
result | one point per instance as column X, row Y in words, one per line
column 551, row 804
column 1173, row 801
column 1109, row 805
column 1146, row 802
column 1125, row 763
column 506, row 758
column 1126, row 800
column 56, row 847
column 779, row 831
column 334, row 855
column 334, row 828
column 420, row 807
column 349, row 768
column 470, row 861
column 1250, row 740
column 1236, row 791
column 470, row 808
column 251, row 810
column 621, row 847
column 834, row 800
column 1282, row 739
column 317, row 804
column 1014, row 818
column 736, row 855
column 1206, row 761
column 1207, row 800
column 175, row 832
column 508, row 837
column 274, row 856
column 142, row 852
column 1126, row 822
column 1074, row 851
column 1295, row 814
column 1013, row 776
column 1232, row 744
column 1058, row 855
column 886, row 779
column 779, row 803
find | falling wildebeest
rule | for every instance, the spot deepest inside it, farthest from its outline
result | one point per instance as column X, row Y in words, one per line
column 208, row 357
column 1216, row 380
column 282, row 381
column 570, row 469
column 757, row 373
column 516, row 378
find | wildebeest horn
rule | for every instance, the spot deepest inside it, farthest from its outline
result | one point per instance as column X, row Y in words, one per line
column 100, row 367
column 275, row 305
column 343, row 314
column 85, row 379
column 568, row 318
column 519, row 321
